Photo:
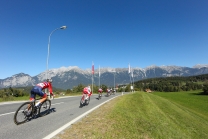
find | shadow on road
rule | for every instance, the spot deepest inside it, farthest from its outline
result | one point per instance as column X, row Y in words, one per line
column 52, row 110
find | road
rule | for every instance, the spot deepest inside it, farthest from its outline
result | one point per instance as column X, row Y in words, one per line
column 63, row 110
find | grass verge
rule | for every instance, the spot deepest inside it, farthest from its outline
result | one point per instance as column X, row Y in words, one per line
column 140, row 116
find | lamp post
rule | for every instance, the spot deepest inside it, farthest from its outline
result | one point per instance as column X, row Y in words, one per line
column 62, row 27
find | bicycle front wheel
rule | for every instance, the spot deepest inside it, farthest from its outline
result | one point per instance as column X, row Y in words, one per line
column 44, row 108
column 23, row 113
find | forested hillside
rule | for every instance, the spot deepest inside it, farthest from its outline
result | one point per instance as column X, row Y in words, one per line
column 173, row 84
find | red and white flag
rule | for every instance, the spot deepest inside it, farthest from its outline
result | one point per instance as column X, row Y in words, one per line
column 93, row 71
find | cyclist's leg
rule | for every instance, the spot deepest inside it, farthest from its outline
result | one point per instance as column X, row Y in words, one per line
column 44, row 97
column 32, row 97
column 33, row 93
column 87, row 95
column 42, row 94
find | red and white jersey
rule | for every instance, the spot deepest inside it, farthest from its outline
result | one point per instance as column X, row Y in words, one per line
column 87, row 90
column 108, row 90
column 100, row 90
column 45, row 85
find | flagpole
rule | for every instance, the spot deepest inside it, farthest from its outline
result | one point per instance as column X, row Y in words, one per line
column 133, row 79
column 130, row 74
column 99, row 76
column 130, row 77
column 92, row 75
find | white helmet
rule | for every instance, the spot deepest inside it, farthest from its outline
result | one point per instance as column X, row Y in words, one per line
column 49, row 80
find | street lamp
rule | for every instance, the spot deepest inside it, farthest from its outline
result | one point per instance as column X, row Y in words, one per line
column 62, row 27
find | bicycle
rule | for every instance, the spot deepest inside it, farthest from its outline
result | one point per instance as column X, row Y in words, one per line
column 113, row 92
column 108, row 93
column 84, row 101
column 28, row 110
column 99, row 95
column 100, row 91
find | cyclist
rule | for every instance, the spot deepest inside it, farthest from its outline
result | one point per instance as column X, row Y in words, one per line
column 38, row 90
column 100, row 91
column 108, row 92
column 87, row 90
column 114, row 91
column 111, row 91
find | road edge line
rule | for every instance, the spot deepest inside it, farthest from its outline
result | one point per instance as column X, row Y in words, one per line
column 74, row 120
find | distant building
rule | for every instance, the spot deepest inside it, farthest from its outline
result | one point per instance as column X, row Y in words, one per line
column 148, row 90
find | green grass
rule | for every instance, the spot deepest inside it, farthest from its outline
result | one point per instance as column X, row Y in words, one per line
column 194, row 101
column 11, row 98
column 146, row 116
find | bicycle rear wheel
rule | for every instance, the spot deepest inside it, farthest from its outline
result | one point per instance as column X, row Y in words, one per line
column 87, row 101
column 82, row 101
column 44, row 108
column 23, row 113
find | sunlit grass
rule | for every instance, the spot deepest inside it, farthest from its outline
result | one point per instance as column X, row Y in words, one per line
column 192, row 100
column 143, row 115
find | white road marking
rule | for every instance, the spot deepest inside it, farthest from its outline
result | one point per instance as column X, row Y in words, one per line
column 15, row 111
column 6, row 113
column 73, row 121
column 57, row 103
column 11, row 102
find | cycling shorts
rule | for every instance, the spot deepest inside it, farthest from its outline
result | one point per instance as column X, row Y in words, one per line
column 37, row 91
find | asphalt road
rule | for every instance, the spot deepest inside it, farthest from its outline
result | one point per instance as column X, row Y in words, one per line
column 63, row 110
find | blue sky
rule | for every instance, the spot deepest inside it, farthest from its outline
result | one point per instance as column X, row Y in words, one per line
column 111, row 33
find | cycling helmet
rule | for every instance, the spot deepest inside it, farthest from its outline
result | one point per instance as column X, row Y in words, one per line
column 49, row 80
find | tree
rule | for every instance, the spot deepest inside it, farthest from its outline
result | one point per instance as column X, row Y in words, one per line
column 205, row 88
column 127, row 89
column 104, row 87
column 68, row 91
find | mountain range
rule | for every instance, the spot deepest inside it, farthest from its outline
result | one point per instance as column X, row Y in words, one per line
column 68, row 77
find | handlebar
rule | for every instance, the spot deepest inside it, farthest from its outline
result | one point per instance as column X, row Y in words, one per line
column 51, row 96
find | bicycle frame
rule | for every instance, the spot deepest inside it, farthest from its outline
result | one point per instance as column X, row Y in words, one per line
column 108, row 93
column 100, row 95
column 84, row 96
column 28, row 110
column 34, row 108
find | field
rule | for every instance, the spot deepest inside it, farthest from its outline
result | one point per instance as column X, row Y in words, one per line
column 177, row 115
